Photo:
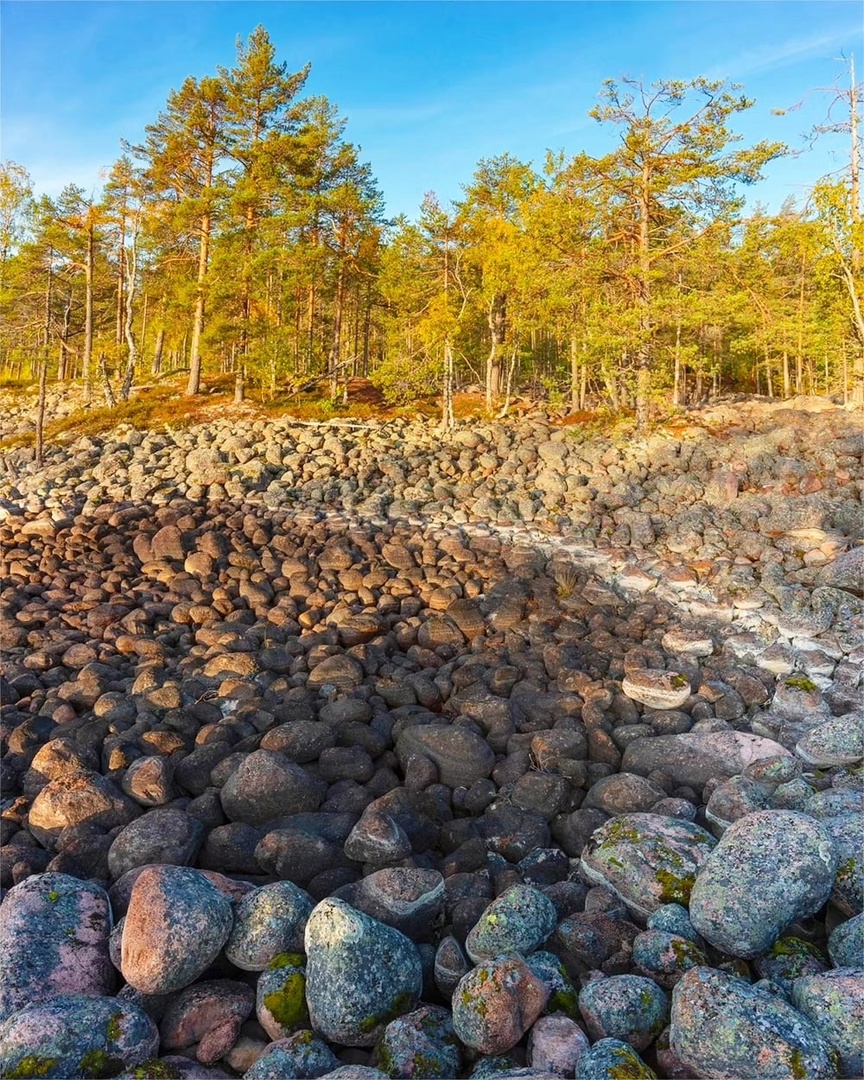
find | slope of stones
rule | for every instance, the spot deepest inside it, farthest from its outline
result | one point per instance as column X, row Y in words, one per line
column 403, row 674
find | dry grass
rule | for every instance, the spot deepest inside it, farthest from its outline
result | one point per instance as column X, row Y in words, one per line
column 153, row 408
column 566, row 582
column 164, row 405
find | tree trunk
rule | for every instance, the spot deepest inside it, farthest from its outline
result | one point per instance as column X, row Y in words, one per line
column 497, row 319
column 447, row 395
column 849, row 277
column 193, row 386
column 679, row 392
column 63, row 358
column 845, row 376
column 643, row 301
column 239, row 376
column 856, row 168
column 799, row 358
column 157, row 350
column 575, row 373
column 132, row 281
column 611, row 383
column 310, row 329
column 119, row 318
column 87, row 359
column 110, row 400
column 677, row 389
column 367, row 331
column 335, row 357
column 40, row 406
column 144, row 311
column 787, row 379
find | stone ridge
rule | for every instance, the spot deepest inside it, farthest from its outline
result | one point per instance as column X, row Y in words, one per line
column 333, row 751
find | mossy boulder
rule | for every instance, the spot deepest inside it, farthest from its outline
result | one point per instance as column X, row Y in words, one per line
column 723, row 1026
column 280, row 1000
column 73, row 1035
column 646, row 859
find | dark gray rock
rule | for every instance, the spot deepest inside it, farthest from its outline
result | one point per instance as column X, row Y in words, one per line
column 409, row 899
column 161, row 836
column 460, row 755
column 694, row 758
column 268, row 785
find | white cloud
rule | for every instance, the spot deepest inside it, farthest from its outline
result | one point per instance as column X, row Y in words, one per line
column 771, row 57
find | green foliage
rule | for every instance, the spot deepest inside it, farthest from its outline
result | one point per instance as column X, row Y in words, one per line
column 245, row 235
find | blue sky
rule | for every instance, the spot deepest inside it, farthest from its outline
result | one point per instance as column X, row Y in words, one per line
column 428, row 88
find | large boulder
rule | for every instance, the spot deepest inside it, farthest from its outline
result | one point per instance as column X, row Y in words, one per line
column 770, row 868
column 175, row 927
column 360, row 974
column 647, row 859
column 723, row 1027
column 55, row 932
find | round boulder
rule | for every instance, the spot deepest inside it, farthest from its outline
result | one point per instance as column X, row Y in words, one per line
column 175, row 927
column 460, row 755
column 55, row 932
column 496, row 1003
column 360, row 974
column 267, row 922
column 268, row 785
column 79, row 797
column 72, row 1035
column 519, row 921
column 723, row 1026
column 646, row 859
column 160, row 836
column 770, row 868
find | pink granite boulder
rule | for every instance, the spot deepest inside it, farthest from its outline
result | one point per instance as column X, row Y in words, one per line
column 54, row 930
column 175, row 928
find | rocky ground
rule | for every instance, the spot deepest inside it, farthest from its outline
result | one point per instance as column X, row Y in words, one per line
column 374, row 750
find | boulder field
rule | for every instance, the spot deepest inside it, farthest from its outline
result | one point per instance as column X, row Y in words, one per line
column 381, row 751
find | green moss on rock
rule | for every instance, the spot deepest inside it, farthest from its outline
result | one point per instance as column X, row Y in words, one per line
column 98, row 1065
column 674, row 888
column 32, row 1065
column 113, row 1029
column 287, row 1006
column 286, row 959
column 800, row 682
column 631, row 1067
column 154, row 1069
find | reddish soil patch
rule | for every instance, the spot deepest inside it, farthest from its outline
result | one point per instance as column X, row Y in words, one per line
column 364, row 392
